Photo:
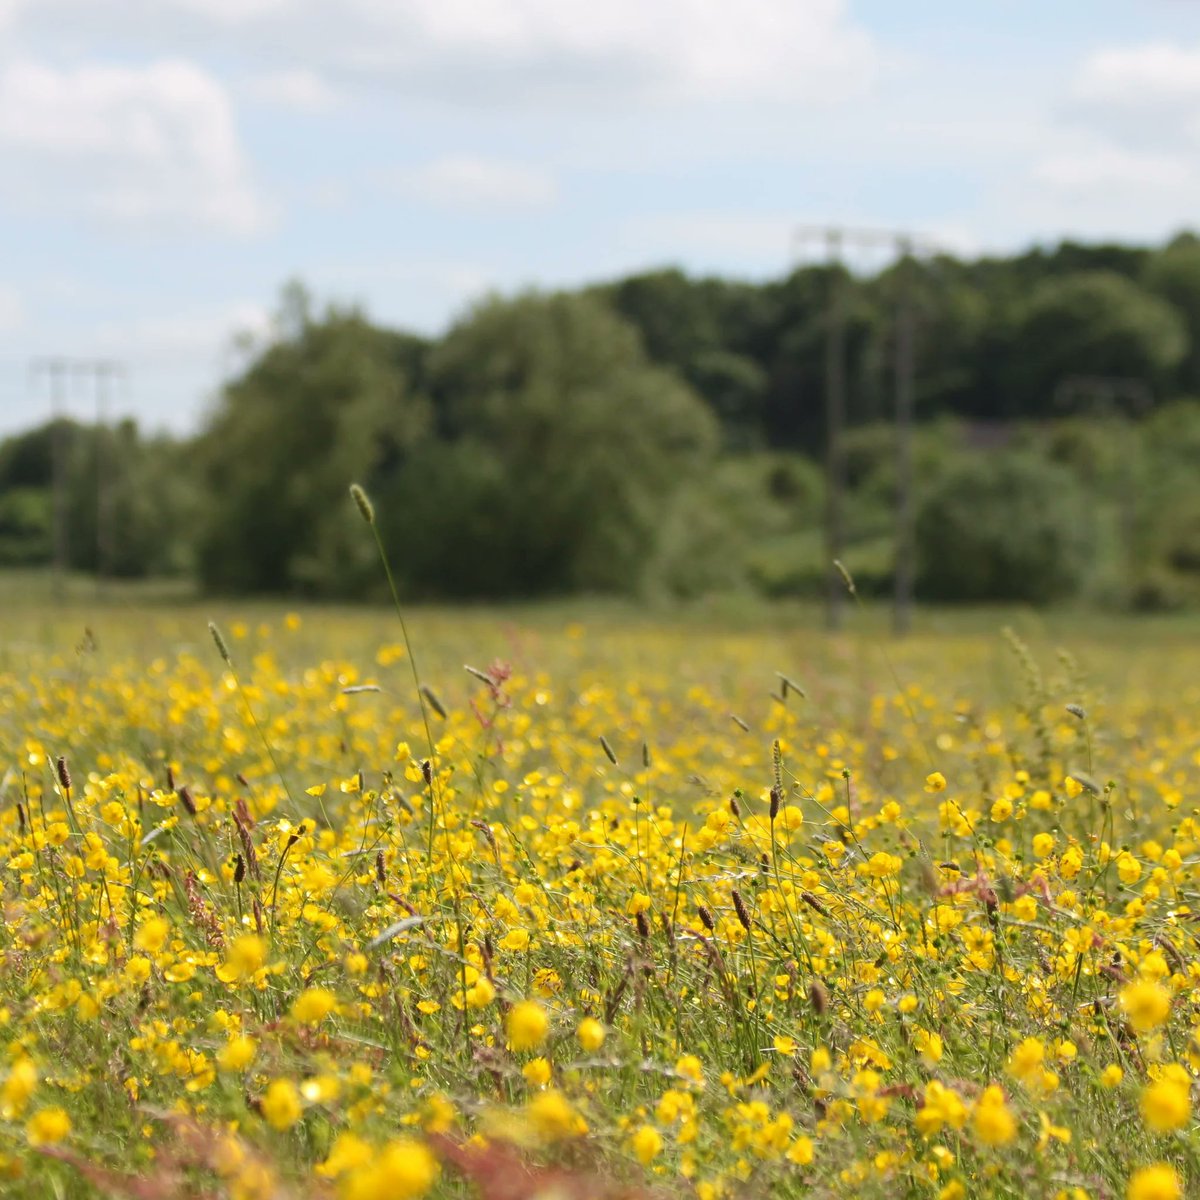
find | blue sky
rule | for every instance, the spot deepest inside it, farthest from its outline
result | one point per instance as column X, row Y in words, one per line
column 169, row 164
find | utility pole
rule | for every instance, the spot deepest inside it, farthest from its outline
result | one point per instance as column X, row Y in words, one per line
column 836, row 239
column 58, row 369
column 835, row 422
column 904, row 569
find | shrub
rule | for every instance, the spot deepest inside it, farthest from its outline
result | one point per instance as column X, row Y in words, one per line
column 1006, row 527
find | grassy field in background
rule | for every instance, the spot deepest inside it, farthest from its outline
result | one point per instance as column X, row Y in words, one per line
column 685, row 902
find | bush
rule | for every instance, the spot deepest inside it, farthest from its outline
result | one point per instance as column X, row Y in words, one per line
column 1010, row 527
column 716, row 528
column 25, row 527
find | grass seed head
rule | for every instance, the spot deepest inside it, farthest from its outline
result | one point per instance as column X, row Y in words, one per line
column 219, row 642
column 365, row 507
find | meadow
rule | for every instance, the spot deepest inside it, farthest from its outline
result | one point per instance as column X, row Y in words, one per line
column 706, row 905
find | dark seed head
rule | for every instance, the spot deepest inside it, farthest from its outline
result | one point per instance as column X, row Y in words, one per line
column 743, row 913
column 64, row 775
column 706, row 918
column 818, row 997
column 219, row 642
column 432, row 700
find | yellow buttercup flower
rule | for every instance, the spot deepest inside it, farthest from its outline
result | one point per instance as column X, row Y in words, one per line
column 281, row 1104
column 403, row 1170
column 647, row 1144
column 313, row 1005
column 152, row 934
column 19, row 1085
column 1166, row 1104
column 526, row 1025
column 553, row 1117
column 591, row 1034
column 244, row 956
column 1026, row 1059
column 992, row 1119
column 1146, row 1004
column 47, row 1126
column 1159, row 1182
column 237, row 1054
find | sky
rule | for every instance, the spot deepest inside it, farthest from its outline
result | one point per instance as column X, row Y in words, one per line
column 166, row 166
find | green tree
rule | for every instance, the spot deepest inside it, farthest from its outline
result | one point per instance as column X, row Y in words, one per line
column 574, row 439
column 1092, row 323
column 705, row 329
column 1174, row 274
column 25, row 527
column 1003, row 527
column 332, row 400
column 146, row 490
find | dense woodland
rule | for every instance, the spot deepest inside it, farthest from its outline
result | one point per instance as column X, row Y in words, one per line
column 664, row 434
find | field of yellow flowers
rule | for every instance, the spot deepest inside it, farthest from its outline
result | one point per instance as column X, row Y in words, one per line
column 612, row 908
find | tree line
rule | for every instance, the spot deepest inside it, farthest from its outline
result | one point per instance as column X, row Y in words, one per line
column 663, row 434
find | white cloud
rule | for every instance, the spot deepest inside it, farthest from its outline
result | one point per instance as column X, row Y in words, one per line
column 1118, row 159
column 301, row 90
column 1140, row 76
column 482, row 184
column 672, row 49
column 1105, row 193
column 519, row 50
column 1083, row 172
column 228, row 12
column 153, row 145
column 1140, row 96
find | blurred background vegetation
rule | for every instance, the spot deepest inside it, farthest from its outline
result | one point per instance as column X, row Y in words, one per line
column 663, row 436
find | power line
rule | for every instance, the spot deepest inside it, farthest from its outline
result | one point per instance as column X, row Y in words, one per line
column 835, row 239
column 58, row 370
